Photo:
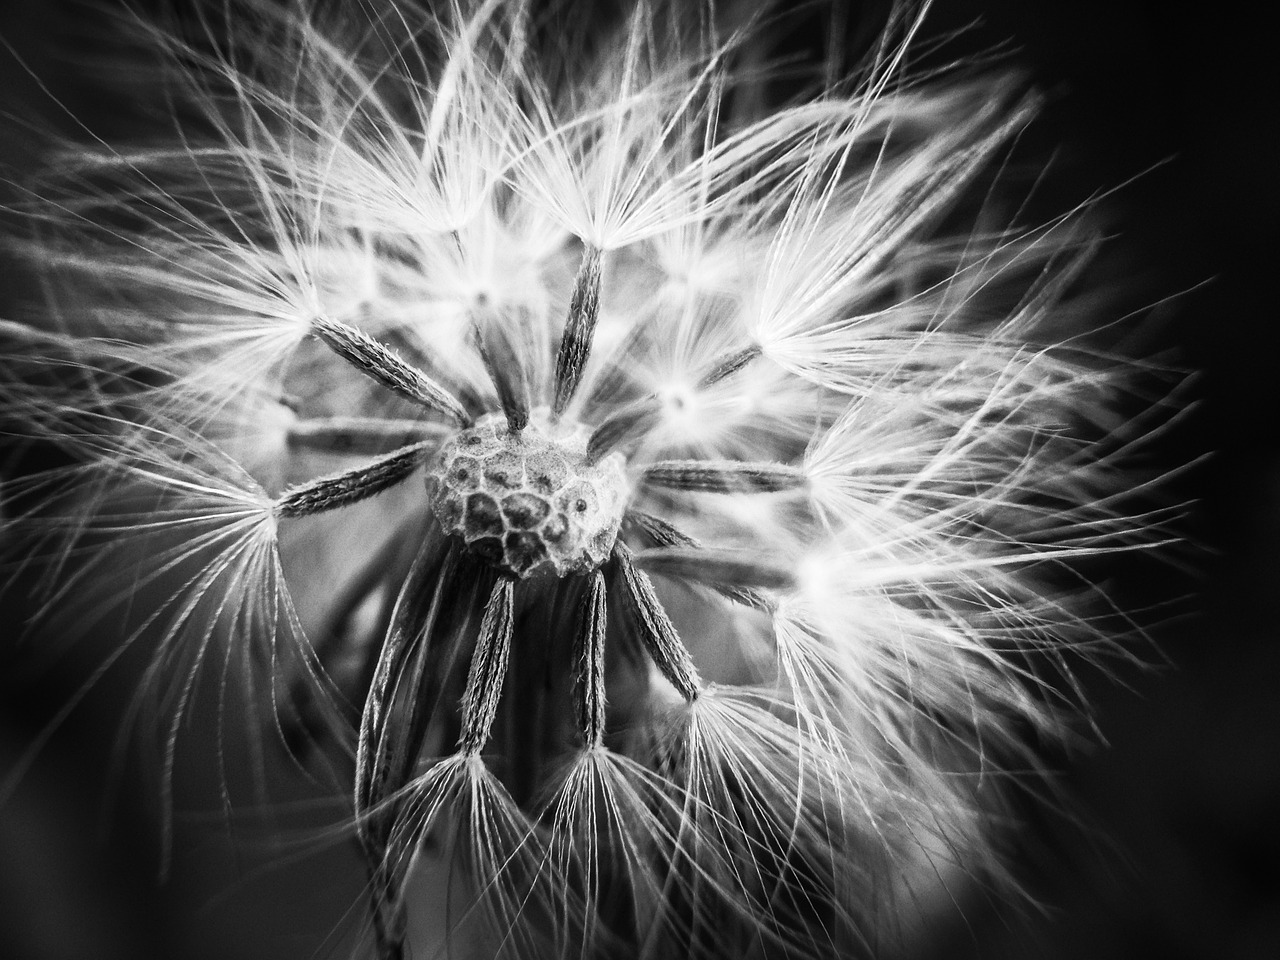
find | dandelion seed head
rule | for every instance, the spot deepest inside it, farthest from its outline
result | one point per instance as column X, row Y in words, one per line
column 688, row 494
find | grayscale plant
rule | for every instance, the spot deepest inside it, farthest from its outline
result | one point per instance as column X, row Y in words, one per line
column 680, row 503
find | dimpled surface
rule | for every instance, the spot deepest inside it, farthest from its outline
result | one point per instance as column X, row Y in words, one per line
column 528, row 503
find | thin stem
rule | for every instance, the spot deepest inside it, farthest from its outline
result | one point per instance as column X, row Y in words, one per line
column 389, row 742
column 390, row 920
column 433, row 608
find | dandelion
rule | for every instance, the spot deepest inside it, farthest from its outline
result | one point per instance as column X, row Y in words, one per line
column 674, row 509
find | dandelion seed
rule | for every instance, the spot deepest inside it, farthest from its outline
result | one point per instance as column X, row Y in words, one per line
column 697, row 508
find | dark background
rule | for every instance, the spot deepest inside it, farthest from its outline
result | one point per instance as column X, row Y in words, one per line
column 1179, row 856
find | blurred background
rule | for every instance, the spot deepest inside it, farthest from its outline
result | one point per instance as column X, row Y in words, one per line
column 1176, row 836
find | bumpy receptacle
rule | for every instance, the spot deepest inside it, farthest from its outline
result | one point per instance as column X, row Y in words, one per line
column 529, row 502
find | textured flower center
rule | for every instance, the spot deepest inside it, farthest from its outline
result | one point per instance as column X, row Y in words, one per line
column 529, row 502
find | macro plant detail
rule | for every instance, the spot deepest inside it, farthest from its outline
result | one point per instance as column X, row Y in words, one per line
column 668, row 506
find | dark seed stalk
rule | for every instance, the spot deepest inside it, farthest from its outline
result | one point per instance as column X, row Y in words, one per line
column 724, row 476
column 488, row 668
column 589, row 689
column 352, row 486
column 657, row 632
column 502, row 361
column 359, row 436
column 579, row 329
column 378, row 362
